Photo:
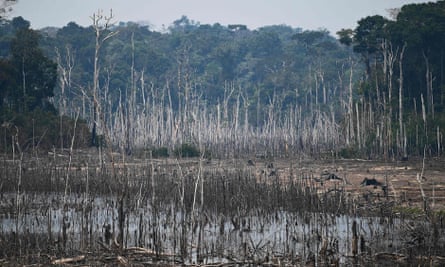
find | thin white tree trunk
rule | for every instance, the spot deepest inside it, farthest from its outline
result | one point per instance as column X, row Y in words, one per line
column 402, row 133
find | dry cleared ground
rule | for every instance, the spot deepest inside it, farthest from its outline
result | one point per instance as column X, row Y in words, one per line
column 403, row 181
column 407, row 184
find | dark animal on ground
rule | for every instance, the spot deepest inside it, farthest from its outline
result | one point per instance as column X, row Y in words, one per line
column 372, row 181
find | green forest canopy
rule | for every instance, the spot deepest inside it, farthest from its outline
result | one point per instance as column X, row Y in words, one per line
column 250, row 68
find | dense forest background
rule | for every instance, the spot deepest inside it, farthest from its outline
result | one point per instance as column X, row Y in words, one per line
column 376, row 91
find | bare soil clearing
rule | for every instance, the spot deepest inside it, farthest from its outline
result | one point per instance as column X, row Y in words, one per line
column 403, row 180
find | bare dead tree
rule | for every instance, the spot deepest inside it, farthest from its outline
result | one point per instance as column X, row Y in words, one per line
column 246, row 119
column 101, row 26
column 439, row 141
column 325, row 97
column 359, row 133
column 425, row 128
column 402, row 132
column 65, row 68
column 390, row 57
column 429, row 85
column 350, row 111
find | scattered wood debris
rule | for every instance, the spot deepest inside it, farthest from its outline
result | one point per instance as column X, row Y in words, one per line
column 68, row 260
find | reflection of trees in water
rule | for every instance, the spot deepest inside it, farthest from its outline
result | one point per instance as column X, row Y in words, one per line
column 151, row 209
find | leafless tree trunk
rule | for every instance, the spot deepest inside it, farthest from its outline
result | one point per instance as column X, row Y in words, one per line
column 320, row 75
column 359, row 140
column 101, row 26
column 425, row 128
column 429, row 86
column 350, row 114
column 390, row 57
column 402, row 132
column 245, row 134
column 439, row 141
column 65, row 68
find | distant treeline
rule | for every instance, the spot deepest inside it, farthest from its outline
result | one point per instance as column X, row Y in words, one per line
column 378, row 88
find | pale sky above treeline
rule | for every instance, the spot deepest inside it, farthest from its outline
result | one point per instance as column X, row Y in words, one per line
column 159, row 14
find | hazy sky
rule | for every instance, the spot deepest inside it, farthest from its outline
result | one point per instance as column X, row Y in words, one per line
column 332, row 15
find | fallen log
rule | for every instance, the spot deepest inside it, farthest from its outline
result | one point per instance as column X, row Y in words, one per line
column 387, row 256
column 146, row 251
column 123, row 261
column 68, row 260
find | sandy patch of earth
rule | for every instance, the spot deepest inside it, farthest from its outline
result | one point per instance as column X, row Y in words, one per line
column 403, row 180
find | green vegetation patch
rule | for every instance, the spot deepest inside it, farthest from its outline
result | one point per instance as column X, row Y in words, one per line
column 187, row 151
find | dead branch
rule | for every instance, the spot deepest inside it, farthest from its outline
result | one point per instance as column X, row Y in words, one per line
column 123, row 261
column 148, row 252
column 68, row 260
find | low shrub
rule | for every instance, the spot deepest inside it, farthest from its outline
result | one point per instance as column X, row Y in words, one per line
column 161, row 152
column 187, row 151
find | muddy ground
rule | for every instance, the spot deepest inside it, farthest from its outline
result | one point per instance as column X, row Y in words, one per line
column 403, row 181
column 408, row 184
column 400, row 181
column 415, row 187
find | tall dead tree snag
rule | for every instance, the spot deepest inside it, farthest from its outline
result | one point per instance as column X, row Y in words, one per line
column 65, row 65
column 391, row 56
column 390, row 59
column 101, row 26
column 429, row 85
column 350, row 112
column 65, row 68
column 402, row 132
